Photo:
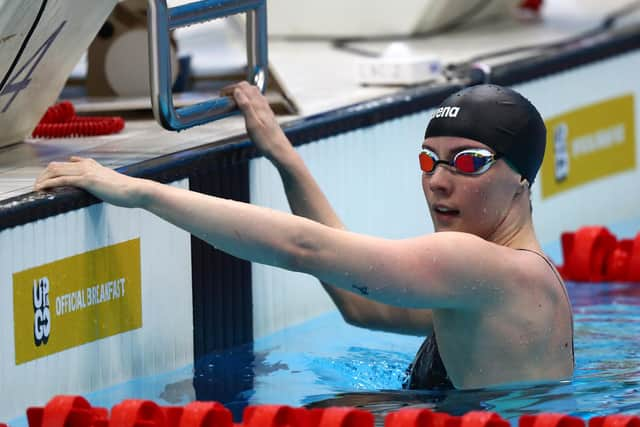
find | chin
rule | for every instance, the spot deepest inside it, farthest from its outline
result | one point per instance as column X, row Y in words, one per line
column 441, row 227
column 451, row 227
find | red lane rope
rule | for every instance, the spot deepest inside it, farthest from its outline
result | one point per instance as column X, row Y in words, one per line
column 76, row 411
column 61, row 121
column 594, row 254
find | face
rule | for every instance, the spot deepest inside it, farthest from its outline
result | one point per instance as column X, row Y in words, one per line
column 476, row 204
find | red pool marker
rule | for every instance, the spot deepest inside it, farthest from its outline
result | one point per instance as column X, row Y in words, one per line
column 275, row 416
column 533, row 5
column 586, row 252
column 200, row 414
column 76, row 411
column 61, row 121
column 477, row 419
column 550, row 420
column 172, row 415
column 61, row 112
column 66, row 411
column 416, row 417
column 633, row 271
column 137, row 413
column 617, row 268
column 593, row 254
column 346, row 417
column 615, row 421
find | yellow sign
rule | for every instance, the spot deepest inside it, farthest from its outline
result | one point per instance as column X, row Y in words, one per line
column 77, row 300
column 589, row 143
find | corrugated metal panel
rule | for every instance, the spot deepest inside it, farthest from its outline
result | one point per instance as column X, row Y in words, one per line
column 163, row 343
column 372, row 179
column 221, row 283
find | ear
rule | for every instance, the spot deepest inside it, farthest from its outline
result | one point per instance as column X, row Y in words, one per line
column 522, row 186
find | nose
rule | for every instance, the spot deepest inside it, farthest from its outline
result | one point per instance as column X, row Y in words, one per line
column 440, row 180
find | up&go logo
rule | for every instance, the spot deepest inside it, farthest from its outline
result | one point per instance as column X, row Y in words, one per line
column 42, row 312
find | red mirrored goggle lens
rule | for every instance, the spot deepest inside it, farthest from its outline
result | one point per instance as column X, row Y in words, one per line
column 470, row 162
column 427, row 162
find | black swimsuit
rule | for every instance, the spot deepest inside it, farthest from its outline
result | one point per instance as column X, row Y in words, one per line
column 427, row 372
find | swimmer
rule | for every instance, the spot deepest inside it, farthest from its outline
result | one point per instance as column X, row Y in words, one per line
column 491, row 305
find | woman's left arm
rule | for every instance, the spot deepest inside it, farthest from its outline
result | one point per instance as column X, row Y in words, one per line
column 250, row 232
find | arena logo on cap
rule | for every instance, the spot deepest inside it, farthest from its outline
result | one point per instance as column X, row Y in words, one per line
column 589, row 143
column 76, row 300
column 446, row 112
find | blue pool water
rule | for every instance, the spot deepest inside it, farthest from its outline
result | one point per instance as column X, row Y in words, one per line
column 326, row 362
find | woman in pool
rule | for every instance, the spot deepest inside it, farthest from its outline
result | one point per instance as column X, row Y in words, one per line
column 480, row 285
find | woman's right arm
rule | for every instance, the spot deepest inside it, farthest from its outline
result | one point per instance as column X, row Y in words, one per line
column 306, row 199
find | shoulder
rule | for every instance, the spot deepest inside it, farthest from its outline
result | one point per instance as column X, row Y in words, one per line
column 476, row 268
column 457, row 246
column 541, row 271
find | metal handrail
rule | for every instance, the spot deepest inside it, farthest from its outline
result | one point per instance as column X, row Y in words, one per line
column 163, row 19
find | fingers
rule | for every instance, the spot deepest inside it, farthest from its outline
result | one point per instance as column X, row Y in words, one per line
column 57, row 182
column 63, row 168
column 247, row 93
column 229, row 90
column 78, row 159
column 246, row 103
column 260, row 120
column 64, row 173
column 241, row 97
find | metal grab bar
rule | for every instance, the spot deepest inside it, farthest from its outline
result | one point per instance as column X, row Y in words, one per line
column 162, row 19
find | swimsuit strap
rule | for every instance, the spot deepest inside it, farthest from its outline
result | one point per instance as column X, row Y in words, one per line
column 564, row 290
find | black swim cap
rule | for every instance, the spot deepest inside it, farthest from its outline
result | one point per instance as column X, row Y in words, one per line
column 498, row 117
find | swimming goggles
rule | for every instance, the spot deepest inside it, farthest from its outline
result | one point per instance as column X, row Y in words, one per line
column 473, row 161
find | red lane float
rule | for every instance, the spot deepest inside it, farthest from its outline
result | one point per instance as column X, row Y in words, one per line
column 203, row 414
column 61, row 121
column 585, row 252
column 345, row 417
column 66, row 411
column 477, row 419
column 58, row 113
column 138, row 413
column 550, row 420
column 416, row 417
column 276, row 415
column 76, row 411
column 533, row 5
column 594, row 254
column 633, row 272
column 615, row 421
